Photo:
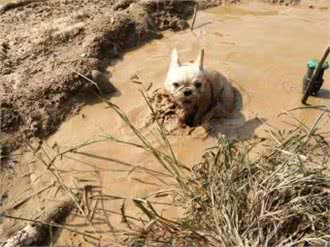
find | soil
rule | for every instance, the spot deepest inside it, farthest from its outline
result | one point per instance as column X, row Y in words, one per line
column 43, row 43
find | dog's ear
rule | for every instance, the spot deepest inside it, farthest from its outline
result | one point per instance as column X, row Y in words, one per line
column 175, row 62
column 200, row 60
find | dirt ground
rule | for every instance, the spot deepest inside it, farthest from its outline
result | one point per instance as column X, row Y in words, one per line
column 43, row 43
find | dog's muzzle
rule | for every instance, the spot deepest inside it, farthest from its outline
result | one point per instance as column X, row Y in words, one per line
column 187, row 92
column 185, row 97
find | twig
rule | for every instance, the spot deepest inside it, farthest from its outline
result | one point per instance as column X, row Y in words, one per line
column 118, row 213
column 139, row 203
column 145, row 182
column 107, row 220
column 306, row 108
column 317, row 121
column 302, row 157
column 123, row 214
column 94, row 210
column 194, row 16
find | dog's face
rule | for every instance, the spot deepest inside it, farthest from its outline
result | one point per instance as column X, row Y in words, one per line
column 186, row 82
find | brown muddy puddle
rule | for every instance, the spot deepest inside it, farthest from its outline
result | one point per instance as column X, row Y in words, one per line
column 262, row 48
column 6, row 1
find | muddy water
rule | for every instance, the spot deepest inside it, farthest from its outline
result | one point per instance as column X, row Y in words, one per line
column 262, row 49
column 6, row 1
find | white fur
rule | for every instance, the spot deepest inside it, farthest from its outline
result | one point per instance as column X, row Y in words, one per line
column 178, row 73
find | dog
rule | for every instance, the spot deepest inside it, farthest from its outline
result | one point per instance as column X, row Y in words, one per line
column 199, row 92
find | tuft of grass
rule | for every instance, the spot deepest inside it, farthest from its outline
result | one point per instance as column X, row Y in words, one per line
column 279, row 198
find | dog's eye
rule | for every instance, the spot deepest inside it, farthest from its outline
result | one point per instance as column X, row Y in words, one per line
column 176, row 85
column 198, row 84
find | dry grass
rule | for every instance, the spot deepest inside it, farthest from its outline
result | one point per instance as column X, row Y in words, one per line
column 280, row 198
column 275, row 200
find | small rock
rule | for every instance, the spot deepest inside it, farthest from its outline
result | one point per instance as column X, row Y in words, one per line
column 123, row 4
column 103, row 82
column 3, row 198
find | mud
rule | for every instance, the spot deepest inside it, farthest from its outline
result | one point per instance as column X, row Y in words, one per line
column 44, row 42
column 168, row 114
column 175, row 120
column 266, row 66
column 164, row 110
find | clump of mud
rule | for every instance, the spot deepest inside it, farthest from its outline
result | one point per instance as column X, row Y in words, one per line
column 171, row 116
column 170, row 14
column 165, row 110
column 43, row 44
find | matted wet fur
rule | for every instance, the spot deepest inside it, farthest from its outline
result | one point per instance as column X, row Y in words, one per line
column 166, row 112
column 200, row 93
column 173, row 118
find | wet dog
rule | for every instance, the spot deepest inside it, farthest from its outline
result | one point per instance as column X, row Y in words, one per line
column 199, row 92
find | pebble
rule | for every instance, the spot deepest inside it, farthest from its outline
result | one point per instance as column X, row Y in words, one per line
column 103, row 82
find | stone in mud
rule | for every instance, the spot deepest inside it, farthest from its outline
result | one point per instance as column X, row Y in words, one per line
column 103, row 82
column 122, row 4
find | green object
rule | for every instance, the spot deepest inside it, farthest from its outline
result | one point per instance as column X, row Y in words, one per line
column 318, row 75
column 312, row 64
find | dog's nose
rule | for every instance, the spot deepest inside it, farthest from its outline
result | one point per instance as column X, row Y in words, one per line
column 187, row 92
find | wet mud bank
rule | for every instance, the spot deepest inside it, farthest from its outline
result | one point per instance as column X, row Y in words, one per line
column 44, row 43
column 88, row 155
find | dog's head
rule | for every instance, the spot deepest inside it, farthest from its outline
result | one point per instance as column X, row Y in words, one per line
column 186, row 82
